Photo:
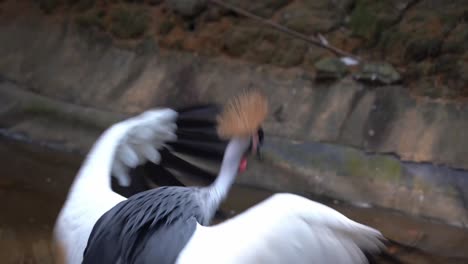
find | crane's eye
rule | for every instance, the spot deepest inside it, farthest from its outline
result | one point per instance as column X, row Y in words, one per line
column 260, row 136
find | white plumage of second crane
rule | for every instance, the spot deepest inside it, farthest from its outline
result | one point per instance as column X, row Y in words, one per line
column 285, row 228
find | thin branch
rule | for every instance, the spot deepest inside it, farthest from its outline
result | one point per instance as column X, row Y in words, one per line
column 286, row 30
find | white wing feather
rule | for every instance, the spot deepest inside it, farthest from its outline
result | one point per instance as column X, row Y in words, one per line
column 285, row 228
column 145, row 135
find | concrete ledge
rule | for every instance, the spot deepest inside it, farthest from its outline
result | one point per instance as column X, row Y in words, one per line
column 313, row 168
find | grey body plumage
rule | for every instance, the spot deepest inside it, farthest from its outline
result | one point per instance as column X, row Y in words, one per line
column 154, row 224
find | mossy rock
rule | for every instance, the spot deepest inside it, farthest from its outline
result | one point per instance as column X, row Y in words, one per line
column 129, row 21
column 385, row 168
column 378, row 72
column 330, row 68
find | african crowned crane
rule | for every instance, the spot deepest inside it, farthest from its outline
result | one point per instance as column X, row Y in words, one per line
column 158, row 142
column 139, row 228
column 169, row 224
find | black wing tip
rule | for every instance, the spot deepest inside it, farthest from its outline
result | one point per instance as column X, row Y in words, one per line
column 196, row 137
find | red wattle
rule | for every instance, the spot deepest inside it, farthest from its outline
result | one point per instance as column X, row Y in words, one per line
column 243, row 165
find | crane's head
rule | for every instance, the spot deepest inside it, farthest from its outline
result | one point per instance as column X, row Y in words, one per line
column 242, row 117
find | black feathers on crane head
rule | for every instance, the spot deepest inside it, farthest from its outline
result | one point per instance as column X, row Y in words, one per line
column 242, row 115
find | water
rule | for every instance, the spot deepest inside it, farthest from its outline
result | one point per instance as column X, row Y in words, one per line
column 34, row 181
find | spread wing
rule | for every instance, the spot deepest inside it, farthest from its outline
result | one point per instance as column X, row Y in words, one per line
column 285, row 228
column 148, row 155
column 141, row 138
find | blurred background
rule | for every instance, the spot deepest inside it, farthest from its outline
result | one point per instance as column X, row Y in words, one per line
column 367, row 98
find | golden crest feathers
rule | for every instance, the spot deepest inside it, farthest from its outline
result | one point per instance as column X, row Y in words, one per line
column 242, row 115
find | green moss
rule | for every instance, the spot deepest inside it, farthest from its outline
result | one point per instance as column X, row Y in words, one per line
column 377, row 167
column 356, row 166
column 330, row 67
column 129, row 21
column 386, row 168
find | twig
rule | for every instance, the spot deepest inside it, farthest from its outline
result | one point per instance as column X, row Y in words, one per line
column 286, row 30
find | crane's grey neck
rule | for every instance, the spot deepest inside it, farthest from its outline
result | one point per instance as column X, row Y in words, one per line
column 233, row 154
